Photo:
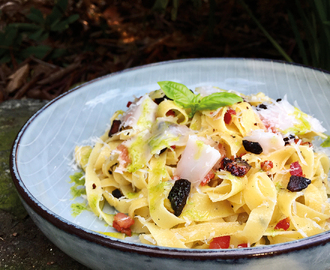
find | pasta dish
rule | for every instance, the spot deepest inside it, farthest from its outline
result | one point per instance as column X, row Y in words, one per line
column 209, row 169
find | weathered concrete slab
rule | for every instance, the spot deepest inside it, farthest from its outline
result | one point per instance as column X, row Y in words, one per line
column 22, row 244
column 13, row 115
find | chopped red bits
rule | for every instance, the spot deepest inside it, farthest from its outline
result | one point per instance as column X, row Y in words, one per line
column 228, row 115
column 283, row 224
column 296, row 141
column 243, row 245
column 207, row 178
column 129, row 104
column 173, row 146
column 122, row 223
column 221, row 242
column 124, row 154
column 267, row 165
column 295, row 169
column 170, row 113
column 114, row 127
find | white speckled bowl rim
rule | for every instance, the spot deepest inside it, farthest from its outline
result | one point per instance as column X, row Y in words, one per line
column 149, row 250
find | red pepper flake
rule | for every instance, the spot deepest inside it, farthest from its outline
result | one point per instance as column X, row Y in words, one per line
column 221, row 242
column 267, row 165
column 129, row 104
column 243, row 245
column 122, row 223
column 173, row 146
column 295, row 169
column 94, row 186
column 207, row 178
column 228, row 115
column 283, row 224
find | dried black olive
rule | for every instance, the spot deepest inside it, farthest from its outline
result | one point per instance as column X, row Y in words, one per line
column 161, row 99
column 287, row 139
column 298, row 183
column 262, row 106
column 225, row 161
column 178, row 195
column 253, row 147
column 117, row 193
column 238, row 167
column 114, row 127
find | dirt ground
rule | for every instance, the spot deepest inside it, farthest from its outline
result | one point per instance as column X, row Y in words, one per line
column 113, row 35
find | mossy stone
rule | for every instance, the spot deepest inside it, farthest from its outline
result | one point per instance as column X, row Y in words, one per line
column 13, row 115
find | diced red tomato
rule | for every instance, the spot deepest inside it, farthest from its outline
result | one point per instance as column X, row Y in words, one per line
column 295, row 169
column 173, row 146
column 267, row 165
column 122, row 223
column 243, row 245
column 170, row 113
column 283, row 224
column 124, row 155
column 207, row 178
column 228, row 115
column 221, row 242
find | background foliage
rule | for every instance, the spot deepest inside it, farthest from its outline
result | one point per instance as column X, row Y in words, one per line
column 47, row 47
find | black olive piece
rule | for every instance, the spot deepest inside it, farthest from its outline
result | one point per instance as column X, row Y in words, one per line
column 298, row 183
column 253, row 147
column 117, row 193
column 287, row 139
column 178, row 195
column 262, row 106
column 114, row 127
column 238, row 167
column 225, row 162
column 161, row 99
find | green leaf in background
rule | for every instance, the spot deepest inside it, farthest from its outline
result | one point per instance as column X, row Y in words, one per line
column 72, row 18
column 57, row 11
column 39, row 51
column 178, row 92
column 38, row 35
column 36, row 16
column 5, row 59
column 217, row 100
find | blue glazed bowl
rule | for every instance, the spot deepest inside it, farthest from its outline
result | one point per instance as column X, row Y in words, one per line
column 43, row 151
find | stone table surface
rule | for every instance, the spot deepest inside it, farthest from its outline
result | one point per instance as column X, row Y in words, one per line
column 22, row 244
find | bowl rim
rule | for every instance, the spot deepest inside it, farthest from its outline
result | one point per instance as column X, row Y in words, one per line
column 150, row 250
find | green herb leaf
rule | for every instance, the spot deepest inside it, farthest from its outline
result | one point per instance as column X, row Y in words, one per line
column 326, row 142
column 217, row 100
column 178, row 92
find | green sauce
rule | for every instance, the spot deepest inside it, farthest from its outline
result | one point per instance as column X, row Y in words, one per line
column 78, row 188
column 77, row 208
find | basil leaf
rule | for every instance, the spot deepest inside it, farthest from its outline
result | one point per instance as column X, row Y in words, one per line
column 326, row 142
column 178, row 92
column 217, row 100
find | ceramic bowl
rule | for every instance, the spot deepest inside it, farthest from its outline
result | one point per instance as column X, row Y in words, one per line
column 43, row 151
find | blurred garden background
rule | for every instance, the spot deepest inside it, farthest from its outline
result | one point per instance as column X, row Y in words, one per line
column 48, row 47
